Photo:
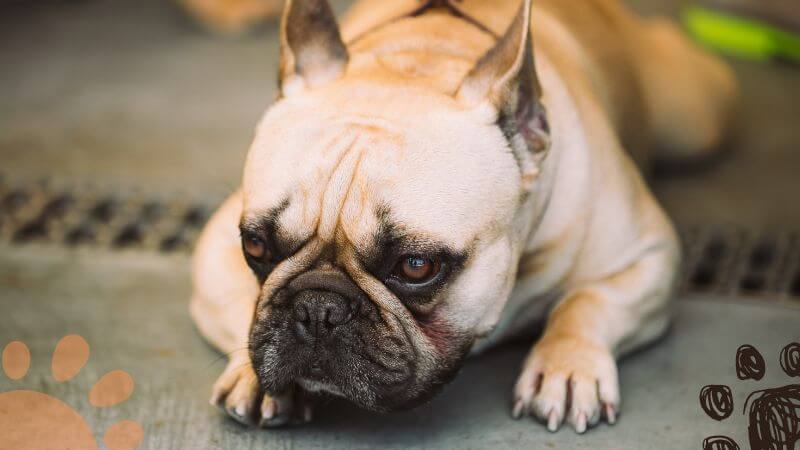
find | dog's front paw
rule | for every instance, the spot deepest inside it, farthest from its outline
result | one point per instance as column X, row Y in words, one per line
column 238, row 393
column 568, row 377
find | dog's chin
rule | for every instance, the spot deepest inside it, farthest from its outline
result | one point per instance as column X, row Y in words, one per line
column 405, row 392
column 313, row 386
column 377, row 403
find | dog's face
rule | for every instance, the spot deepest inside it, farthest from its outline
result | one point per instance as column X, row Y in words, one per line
column 393, row 231
column 380, row 220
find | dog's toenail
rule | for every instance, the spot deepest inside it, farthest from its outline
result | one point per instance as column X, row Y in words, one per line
column 580, row 423
column 552, row 422
column 516, row 413
column 611, row 415
column 269, row 410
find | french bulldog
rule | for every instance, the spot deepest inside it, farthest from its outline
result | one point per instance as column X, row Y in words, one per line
column 439, row 176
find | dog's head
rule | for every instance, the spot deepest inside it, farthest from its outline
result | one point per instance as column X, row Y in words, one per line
column 382, row 219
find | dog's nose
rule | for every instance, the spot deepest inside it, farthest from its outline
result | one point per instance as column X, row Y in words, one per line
column 317, row 313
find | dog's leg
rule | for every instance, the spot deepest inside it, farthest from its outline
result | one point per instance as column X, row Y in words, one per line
column 690, row 108
column 571, row 372
column 225, row 294
column 232, row 16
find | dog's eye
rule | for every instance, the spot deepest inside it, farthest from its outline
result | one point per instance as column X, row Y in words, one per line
column 255, row 247
column 417, row 269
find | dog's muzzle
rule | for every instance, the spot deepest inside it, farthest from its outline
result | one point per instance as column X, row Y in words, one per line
column 323, row 333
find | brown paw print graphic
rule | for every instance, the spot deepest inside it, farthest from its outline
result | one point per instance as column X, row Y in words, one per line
column 773, row 414
column 31, row 420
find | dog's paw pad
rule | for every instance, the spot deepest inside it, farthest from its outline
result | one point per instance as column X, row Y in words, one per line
column 16, row 360
column 69, row 357
column 123, row 435
column 113, row 388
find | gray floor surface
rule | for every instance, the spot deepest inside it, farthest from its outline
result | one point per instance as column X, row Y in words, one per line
column 131, row 309
column 130, row 96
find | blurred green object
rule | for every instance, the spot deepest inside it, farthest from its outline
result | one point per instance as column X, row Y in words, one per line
column 747, row 33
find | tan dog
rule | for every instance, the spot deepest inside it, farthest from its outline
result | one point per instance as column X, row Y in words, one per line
column 232, row 16
column 431, row 182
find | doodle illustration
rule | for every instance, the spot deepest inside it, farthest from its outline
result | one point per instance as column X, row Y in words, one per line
column 773, row 414
column 33, row 420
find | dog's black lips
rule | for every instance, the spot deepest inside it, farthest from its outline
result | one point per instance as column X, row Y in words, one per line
column 365, row 361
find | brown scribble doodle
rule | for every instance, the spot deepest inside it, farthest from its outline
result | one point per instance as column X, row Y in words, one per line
column 790, row 359
column 717, row 401
column 773, row 414
column 719, row 443
column 750, row 364
column 775, row 418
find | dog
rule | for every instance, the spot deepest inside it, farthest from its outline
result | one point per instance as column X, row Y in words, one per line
column 437, row 177
column 231, row 17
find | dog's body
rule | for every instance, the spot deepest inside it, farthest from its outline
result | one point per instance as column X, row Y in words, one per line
column 569, row 233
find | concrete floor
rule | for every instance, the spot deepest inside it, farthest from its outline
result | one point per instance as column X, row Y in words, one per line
column 124, row 95
column 130, row 307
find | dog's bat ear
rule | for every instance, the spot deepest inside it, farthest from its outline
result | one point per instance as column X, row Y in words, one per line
column 312, row 51
column 505, row 77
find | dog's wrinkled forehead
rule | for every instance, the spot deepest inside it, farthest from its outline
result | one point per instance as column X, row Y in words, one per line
column 337, row 157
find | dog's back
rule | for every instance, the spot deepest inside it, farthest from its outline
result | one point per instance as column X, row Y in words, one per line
column 650, row 76
column 660, row 90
